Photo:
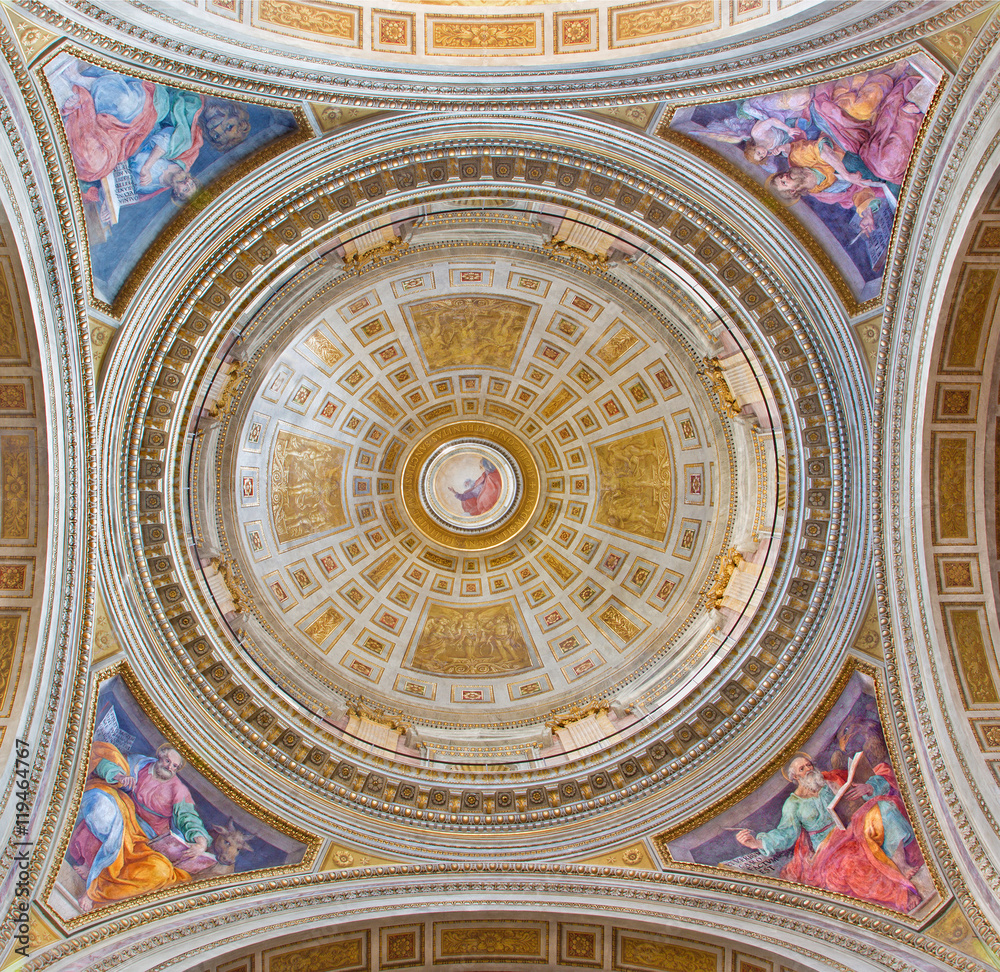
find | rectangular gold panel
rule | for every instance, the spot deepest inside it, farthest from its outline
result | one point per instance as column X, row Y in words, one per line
column 11, row 656
column 951, row 497
column 647, row 23
column 639, row 952
column 634, row 484
column 10, row 347
column 470, row 332
column 343, row 955
column 520, row 941
column 401, row 946
column 379, row 573
column 335, row 23
column 305, row 487
column 972, row 653
column 322, row 627
column 472, row 641
column 15, row 469
column 484, row 36
column 971, row 314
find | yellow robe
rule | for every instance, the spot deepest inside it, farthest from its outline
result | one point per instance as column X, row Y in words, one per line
column 138, row 868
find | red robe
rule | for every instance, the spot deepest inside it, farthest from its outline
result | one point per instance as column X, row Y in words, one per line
column 852, row 861
column 482, row 494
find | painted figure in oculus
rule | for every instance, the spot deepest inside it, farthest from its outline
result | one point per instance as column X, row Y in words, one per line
column 481, row 496
column 862, row 846
column 137, row 825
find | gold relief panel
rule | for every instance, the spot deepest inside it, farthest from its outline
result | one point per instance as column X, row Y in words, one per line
column 348, row 952
column 374, row 328
column 957, row 574
column 323, row 350
column 530, row 688
column 488, row 640
column 469, row 332
column 359, row 304
column 380, row 573
column 393, row 32
column 13, row 340
column 617, row 623
column 576, row 31
column 363, row 668
column 636, row 116
column 232, row 9
column 634, row 485
column 652, row 22
column 472, row 694
column 582, row 666
column 244, row 964
column 740, row 10
column 987, row 733
column 471, row 277
column 581, row 305
column 401, row 946
column 971, row 315
column 321, row 624
column 18, row 486
column 952, row 499
column 495, row 941
column 750, row 963
column 17, row 397
column 987, row 240
column 955, row 403
column 618, row 345
column 580, row 945
column 333, row 23
column 415, row 687
column 13, row 640
column 330, row 117
column 306, row 488
column 636, row 951
column 17, row 576
column 470, row 36
column 973, row 655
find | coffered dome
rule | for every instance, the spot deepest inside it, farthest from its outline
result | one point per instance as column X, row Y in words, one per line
column 384, row 563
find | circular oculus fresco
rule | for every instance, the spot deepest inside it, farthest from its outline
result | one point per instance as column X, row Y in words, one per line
column 469, row 485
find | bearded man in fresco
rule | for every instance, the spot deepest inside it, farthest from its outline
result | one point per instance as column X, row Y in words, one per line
column 127, row 803
column 481, row 496
column 873, row 859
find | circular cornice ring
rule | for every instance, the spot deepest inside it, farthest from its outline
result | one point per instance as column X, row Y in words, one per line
column 431, row 458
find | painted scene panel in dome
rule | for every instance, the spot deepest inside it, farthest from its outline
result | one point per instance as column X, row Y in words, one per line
column 148, row 820
column 832, row 819
column 836, row 153
column 143, row 152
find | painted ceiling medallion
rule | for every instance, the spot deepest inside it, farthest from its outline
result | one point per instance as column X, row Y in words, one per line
column 470, row 485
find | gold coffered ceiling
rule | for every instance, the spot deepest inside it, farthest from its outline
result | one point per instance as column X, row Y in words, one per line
column 602, row 579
